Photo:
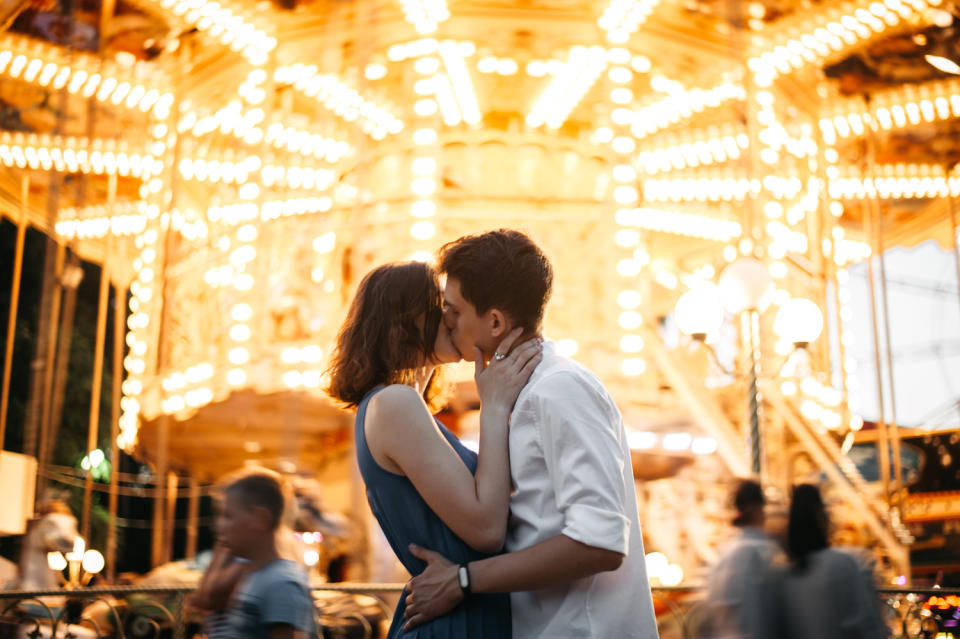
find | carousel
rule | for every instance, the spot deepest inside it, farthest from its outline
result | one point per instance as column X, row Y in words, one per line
column 704, row 175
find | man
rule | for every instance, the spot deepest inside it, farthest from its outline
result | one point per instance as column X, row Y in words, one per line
column 735, row 588
column 575, row 566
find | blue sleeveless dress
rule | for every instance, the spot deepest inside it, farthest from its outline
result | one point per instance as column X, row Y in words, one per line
column 406, row 518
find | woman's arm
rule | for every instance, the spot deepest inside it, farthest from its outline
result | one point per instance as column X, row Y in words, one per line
column 401, row 432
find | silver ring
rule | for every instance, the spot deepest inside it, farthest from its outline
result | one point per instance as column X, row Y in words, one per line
column 499, row 356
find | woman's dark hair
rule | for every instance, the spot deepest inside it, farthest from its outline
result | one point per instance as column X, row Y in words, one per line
column 501, row 269
column 389, row 332
column 807, row 527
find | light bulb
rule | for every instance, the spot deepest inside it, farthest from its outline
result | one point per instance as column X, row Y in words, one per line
column 699, row 312
column 799, row 321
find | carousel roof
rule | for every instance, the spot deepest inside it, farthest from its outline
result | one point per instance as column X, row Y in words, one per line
column 241, row 164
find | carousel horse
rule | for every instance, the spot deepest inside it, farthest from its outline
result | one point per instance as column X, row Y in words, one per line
column 53, row 528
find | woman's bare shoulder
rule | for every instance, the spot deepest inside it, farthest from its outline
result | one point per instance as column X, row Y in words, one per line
column 396, row 403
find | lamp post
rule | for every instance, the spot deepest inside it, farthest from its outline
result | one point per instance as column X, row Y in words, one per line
column 744, row 289
column 82, row 564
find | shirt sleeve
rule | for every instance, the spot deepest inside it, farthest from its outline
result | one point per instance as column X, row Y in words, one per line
column 581, row 437
column 286, row 602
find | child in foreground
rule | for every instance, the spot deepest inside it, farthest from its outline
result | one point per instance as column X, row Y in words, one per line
column 273, row 600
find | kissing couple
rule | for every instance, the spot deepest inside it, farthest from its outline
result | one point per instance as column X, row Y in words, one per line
column 536, row 536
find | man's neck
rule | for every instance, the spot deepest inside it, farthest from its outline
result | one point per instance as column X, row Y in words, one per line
column 263, row 555
column 520, row 340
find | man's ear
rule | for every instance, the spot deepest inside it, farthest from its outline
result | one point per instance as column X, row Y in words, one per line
column 262, row 517
column 500, row 323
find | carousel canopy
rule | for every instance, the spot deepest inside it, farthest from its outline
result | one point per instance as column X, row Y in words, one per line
column 240, row 165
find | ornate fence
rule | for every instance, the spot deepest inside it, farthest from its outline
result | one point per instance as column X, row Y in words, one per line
column 363, row 611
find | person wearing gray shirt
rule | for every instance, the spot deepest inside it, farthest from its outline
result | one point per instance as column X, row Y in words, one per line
column 277, row 594
column 273, row 601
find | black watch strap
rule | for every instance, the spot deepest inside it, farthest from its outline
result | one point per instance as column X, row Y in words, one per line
column 463, row 578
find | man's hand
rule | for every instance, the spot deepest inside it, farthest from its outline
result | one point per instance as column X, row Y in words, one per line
column 434, row 592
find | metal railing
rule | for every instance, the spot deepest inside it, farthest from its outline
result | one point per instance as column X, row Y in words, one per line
column 364, row 610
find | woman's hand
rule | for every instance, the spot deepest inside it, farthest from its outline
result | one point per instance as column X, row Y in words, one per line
column 500, row 382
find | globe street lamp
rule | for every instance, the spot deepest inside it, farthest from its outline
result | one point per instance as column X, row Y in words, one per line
column 699, row 312
column 799, row 322
column 83, row 564
column 745, row 286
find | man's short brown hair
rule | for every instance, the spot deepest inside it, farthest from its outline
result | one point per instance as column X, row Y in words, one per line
column 501, row 269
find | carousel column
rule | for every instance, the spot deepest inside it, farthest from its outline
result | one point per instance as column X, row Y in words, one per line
column 43, row 450
column 70, row 281
column 93, row 428
column 829, row 212
column 164, row 187
column 636, row 285
column 157, row 546
column 14, row 303
column 951, row 205
column 119, row 315
column 193, row 516
column 172, row 492
column 891, row 386
column 872, row 212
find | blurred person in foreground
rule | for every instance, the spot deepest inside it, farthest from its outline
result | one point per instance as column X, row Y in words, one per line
column 735, row 585
column 575, row 567
column 823, row 592
column 270, row 598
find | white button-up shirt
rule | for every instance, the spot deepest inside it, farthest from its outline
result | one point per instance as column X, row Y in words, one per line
column 571, row 472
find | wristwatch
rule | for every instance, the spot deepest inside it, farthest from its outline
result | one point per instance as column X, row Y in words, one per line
column 463, row 578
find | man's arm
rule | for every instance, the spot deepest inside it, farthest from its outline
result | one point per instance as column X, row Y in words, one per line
column 560, row 559
column 581, row 442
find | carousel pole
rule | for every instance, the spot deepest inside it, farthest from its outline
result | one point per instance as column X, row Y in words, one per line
column 119, row 322
column 894, row 429
column 170, row 198
column 93, row 429
column 193, row 515
column 156, row 543
column 43, row 449
column 951, row 205
column 882, row 435
column 70, row 281
column 171, row 515
column 873, row 209
column 14, row 303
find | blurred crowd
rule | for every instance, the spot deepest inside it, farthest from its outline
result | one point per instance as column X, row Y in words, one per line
column 794, row 587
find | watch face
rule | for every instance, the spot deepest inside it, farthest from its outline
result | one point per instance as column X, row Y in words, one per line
column 463, row 576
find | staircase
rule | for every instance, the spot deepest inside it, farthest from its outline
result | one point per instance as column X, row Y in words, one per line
column 678, row 371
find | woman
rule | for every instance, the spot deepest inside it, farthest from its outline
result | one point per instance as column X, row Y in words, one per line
column 823, row 593
column 423, row 485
